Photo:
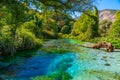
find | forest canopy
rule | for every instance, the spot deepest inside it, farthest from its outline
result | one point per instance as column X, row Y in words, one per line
column 57, row 5
column 25, row 23
column 43, row 37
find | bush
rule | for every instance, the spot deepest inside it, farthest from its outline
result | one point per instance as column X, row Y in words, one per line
column 27, row 40
column 104, row 27
column 65, row 30
column 6, row 40
column 115, row 27
column 87, row 25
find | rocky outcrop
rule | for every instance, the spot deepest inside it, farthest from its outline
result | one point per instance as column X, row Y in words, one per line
column 107, row 14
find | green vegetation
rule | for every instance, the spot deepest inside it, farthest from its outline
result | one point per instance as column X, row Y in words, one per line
column 104, row 31
column 86, row 27
column 115, row 27
column 59, row 75
column 61, row 46
column 29, row 29
column 23, row 28
column 26, row 24
column 104, row 27
column 13, row 35
column 111, row 31
column 115, row 41
column 103, row 75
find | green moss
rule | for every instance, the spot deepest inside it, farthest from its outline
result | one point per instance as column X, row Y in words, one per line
column 55, row 50
column 94, row 58
column 59, row 75
column 104, row 75
column 61, row 46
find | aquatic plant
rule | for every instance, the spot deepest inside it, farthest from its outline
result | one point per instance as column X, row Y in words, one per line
column 97, row 75
column 59, row 75
column 61, row 46
column 105, row 75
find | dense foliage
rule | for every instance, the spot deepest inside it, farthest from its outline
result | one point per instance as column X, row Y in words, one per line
column 87, row 25
column 22, row 28
column 24, row 23
column 111, row 31
column 104, row 27
column 13, row 35
column 115, row 27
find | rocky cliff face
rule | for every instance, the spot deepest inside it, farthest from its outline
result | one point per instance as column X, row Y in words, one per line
column 107, row 14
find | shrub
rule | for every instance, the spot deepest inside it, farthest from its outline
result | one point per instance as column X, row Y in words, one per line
column 27, row 40
column 115, row 27
column 87, row 25
column 104, row 27
column 6, row 40
column 65, row 29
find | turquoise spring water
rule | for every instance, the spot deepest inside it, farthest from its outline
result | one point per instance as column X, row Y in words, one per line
column 87, row 64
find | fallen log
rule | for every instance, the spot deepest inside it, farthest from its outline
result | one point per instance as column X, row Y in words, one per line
column 109, row 47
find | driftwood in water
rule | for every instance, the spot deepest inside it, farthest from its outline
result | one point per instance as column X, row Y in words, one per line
column 109, row 47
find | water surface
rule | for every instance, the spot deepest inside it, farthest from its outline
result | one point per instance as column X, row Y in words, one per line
column 65, row 55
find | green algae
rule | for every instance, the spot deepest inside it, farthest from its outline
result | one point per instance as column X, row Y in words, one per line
column 61, row 46
column 105, row 75
column 107, row 64
column 97, row 75
column 59, row 75
column 84, row 56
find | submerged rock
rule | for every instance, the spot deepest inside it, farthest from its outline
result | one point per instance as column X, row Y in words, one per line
column 107, row 64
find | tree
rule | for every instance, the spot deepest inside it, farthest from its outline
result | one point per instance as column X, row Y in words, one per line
column 65, row 30
column 67, row 6
column 17, row 11
column 115, row 27
column 14, row 14
column 64, row 5
column 87, row 25
column 104, row 27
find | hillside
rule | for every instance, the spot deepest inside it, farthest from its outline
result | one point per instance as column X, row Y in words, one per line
column 108, row 14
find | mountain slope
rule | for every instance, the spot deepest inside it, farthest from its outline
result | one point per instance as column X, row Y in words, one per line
column 108, row 14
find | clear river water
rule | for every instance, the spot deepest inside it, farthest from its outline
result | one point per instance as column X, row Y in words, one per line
column 79, row 62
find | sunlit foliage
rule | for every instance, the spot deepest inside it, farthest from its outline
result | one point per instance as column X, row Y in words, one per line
column 115, row 27
column 87, row 25
column 104, row 27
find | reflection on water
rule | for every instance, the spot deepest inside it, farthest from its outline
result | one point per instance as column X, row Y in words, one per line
column 86, row 64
